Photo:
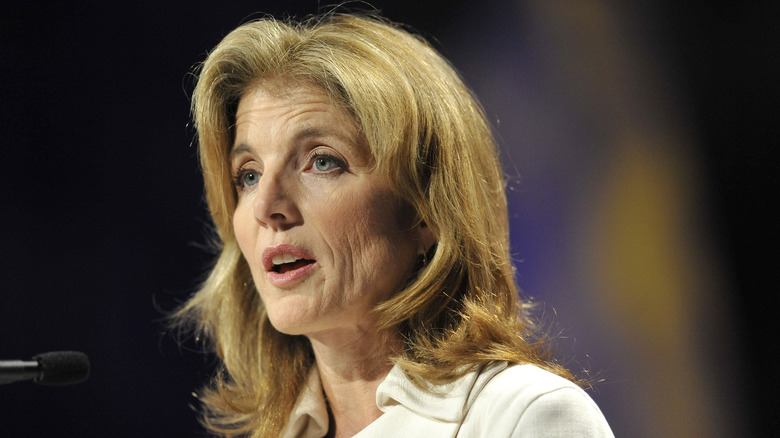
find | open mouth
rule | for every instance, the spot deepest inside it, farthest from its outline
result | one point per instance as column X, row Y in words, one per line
column 291, row 266
column 286, row 265
column 287, row 262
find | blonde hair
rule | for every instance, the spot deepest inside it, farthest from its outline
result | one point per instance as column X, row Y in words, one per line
column 428, row 134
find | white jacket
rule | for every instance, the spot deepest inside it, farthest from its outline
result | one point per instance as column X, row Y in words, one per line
column 498, row 401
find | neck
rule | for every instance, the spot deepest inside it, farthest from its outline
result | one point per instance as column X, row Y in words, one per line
column 351, row 367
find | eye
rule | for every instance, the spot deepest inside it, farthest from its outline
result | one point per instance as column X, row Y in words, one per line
column 246, row 178
column 324, row 164
column 327, row 163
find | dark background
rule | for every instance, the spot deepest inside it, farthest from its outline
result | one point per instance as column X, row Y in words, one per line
column 102, row 211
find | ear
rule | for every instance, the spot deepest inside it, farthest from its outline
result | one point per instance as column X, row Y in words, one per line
column 425, row 237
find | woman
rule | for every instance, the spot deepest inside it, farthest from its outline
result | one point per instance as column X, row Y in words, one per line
column 364, row 283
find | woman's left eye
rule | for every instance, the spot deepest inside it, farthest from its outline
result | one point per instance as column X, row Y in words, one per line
column 327, row 163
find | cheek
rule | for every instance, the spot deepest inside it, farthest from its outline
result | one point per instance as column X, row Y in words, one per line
column 242, row 228
column 374, row 239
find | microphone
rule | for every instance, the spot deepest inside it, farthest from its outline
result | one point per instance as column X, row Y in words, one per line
column 56, row 368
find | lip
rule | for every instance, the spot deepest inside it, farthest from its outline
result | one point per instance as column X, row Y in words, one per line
column 282, row 279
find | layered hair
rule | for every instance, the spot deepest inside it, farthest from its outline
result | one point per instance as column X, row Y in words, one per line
column 428, row 135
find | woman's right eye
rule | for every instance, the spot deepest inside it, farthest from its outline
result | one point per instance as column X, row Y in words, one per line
column 246, row 178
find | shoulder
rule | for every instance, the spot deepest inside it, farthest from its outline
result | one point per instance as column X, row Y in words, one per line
column 527, row 401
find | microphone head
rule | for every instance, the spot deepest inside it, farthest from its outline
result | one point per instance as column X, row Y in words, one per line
column 62, row 368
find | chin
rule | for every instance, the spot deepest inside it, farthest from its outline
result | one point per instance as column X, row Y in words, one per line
column 291, row 322
column 287, row 325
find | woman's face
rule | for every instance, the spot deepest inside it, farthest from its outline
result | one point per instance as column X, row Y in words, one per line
column 324, row 236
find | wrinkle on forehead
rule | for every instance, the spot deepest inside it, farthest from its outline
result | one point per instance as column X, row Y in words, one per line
column 294, row 91
column 290, row 98
column 285, row 87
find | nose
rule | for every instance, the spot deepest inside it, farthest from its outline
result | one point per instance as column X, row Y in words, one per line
column 275, row 203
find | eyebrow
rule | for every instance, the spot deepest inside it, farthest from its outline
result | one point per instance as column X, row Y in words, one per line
column 237, row 150
column 309, row 132
column 300, row 135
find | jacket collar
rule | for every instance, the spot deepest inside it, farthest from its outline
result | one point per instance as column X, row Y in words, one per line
column 448, row 402
column 309, row 417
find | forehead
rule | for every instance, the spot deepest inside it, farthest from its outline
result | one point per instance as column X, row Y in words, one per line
column 286, row 100
column 290, row 111
column 282, row 90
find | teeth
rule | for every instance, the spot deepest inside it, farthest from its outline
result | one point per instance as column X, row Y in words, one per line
column 283, row 258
